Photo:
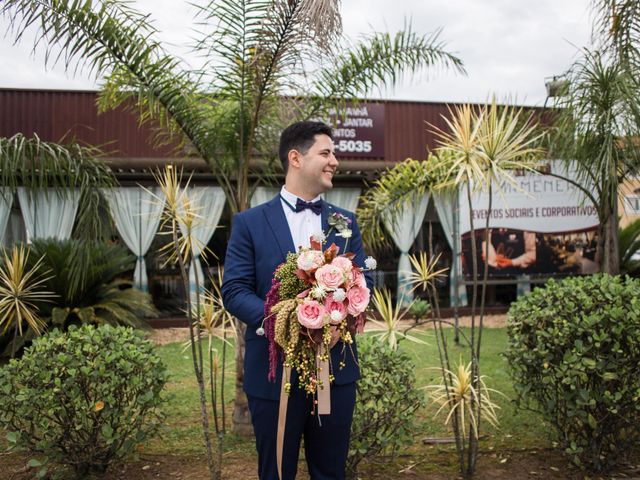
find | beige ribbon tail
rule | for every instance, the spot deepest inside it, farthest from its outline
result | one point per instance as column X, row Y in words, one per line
column 323, row 392
column 282, row 417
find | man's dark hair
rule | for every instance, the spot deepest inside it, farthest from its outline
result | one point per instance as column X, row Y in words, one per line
column 300, row 136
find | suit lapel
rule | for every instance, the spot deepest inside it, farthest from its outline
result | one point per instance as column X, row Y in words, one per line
column 276, row 220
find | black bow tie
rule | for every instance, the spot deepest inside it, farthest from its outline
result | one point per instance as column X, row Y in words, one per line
column 315, row 207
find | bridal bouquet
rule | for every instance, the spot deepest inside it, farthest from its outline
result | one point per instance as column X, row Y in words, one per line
column 317, row 297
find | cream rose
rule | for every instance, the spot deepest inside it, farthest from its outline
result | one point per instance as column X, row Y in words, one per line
column 343, row 263
column 310, row 260
column 330, row 276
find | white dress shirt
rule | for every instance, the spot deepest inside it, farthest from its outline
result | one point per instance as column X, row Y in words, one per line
column 302, row 225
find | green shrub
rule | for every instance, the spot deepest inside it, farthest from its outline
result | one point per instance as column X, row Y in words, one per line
column 574, row 351
column 419, row 308
column 386, row 402
column 83, row 398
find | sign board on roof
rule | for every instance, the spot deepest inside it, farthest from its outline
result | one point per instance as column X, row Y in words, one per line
column 358, row 130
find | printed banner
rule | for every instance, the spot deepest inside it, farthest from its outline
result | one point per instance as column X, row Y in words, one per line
column 544, row 225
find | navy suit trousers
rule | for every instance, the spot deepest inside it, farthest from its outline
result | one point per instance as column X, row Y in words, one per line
column 326, row 440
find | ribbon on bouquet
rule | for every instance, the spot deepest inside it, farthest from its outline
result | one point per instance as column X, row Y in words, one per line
column 323, row 396
column 282, row 417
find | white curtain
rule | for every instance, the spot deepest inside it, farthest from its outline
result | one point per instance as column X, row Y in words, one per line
column 346, row 198
column 136, row 213
column 404, row 231
column 208, row 203
column 445, row 204
column 6, row 201
column 48, row 213
column 263, row 195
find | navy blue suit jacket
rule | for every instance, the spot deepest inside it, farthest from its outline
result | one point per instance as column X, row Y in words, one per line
column 260, row 240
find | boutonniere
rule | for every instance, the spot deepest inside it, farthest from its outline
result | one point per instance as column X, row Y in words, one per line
column 341, row 223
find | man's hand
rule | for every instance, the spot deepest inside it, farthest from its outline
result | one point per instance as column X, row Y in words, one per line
column 503, row 262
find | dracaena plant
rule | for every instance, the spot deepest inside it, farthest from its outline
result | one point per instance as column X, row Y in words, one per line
column 216, row 324
column 459, row 399
column 478, row 149
column 22, row 288
column 388, row 328
column 206, row 315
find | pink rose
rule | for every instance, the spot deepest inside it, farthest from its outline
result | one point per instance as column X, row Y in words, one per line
column 330, row 276
column 343, row 263
column 310, row 260
column 311, row 314
column 358, row 300
column 337, row 311
column 356, row 279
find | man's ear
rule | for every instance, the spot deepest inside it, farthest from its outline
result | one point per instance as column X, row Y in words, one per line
column 294, row 158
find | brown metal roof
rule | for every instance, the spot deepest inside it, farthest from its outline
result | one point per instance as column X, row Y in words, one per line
column 55, row 115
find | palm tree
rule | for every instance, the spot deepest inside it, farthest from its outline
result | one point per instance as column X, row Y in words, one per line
column 597, row 129
column 39, row 165
column 616, row 30
column 598, row 120
column 268, row 61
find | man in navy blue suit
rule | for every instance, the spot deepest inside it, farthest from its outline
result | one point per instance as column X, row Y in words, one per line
column 260, row 240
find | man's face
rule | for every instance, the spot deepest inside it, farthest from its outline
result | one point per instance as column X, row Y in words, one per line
column 318, row 165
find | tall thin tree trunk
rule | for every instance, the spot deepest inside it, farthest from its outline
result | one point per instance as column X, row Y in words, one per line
column 467, row 472
column 15, row 338
column 196, row 354
column 445, row 366
column 241, row 415
column 475, row 361
column 611, row 244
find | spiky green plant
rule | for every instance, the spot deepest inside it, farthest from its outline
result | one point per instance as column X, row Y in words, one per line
column 424, row 271
column 479, row 147
column 460, row 399
column 389, row 329
column 217, row 323
column 22, row 289
column 177, row 221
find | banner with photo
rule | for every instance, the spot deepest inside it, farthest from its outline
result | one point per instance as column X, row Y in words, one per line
column 542, row 225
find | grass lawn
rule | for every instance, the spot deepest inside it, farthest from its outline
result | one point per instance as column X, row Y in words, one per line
column 519, row 448
column 518, row 429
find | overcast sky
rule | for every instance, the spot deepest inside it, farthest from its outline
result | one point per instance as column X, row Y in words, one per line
column 509, row 47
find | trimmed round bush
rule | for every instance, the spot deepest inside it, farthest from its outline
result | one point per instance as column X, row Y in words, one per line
column 386, row 402
column 574, row 351
column 84, row 398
